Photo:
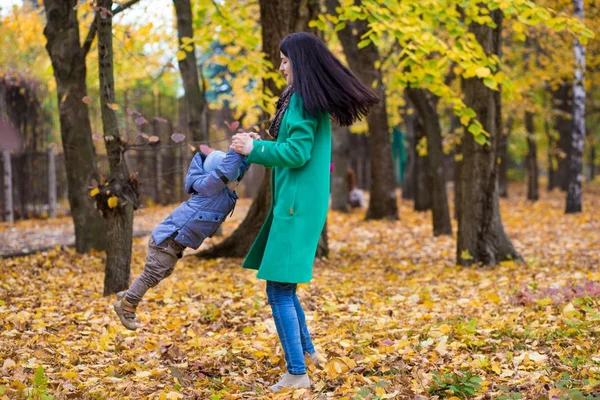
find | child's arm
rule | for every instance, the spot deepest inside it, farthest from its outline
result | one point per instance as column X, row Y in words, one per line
column 220, row 177
column 244, row 168
column 245, row 164
column 193, row 174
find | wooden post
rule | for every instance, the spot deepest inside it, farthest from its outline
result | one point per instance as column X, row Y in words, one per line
column 9, row 215
column 51, row 184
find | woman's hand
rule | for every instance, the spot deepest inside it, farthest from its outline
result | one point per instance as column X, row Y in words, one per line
column 254, row 135
column 242, row 143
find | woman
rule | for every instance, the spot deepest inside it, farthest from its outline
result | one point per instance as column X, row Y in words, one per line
column 319, row 88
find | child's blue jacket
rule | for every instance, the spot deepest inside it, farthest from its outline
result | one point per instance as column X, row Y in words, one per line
column 209, row 204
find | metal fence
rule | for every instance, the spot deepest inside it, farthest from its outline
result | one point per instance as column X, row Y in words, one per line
column 38, row 183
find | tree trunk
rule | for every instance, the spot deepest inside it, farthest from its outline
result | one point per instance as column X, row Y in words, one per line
column 457, row 158
column 575, row 176
column 423, row 199
column 435, row 154
column 592, row 162
column 408, row 186
column 531, row 160
column 119, row 218
column 382, row 203
column 458, row 165
column 68, row 63
column 550, row 154
column 196, row 107
column 9, row 215
column 563, row 99
column 278, row 19
column 504, row 159
column 308, row 11
column 323, row 245
column 481, row 236
column 339, row 158
column 51, row 183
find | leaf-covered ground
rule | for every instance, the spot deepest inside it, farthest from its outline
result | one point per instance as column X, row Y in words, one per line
column 390, row 310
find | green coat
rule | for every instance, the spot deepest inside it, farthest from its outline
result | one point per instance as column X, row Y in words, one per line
column 285, row 247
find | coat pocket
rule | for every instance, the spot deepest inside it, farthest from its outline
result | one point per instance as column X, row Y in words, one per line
column 207, row 222
column 286, row 202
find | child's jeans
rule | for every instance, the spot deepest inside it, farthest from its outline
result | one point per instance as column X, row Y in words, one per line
column 160, row 261
column 291, row 325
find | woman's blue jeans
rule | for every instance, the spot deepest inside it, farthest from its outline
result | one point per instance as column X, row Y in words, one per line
column 291, row 325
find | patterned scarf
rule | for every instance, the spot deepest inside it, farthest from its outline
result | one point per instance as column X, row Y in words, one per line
column 282, row 105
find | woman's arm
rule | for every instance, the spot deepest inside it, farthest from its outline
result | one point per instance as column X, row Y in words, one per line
column 294, row 152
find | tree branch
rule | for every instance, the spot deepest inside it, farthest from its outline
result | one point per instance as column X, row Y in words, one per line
column 218, row 9
column 87, row 44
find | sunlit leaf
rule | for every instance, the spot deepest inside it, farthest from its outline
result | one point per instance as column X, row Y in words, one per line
column 113, row 201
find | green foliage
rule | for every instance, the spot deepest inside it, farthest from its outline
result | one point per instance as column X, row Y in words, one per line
column 461, row 384
column 39, row 389
column 434, row 41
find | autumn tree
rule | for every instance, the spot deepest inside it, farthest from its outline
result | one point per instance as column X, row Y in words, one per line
column 575, row 158
column 195, row 100
column 426, row 103
column 481, row 235
column 68, row 56
column 531, row 159
column 340, row 155
column 118, row 196
column 361, row 60
column 68, row 63
column 433, row 39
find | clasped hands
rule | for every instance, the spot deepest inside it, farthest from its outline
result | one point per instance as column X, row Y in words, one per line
column 243, row 142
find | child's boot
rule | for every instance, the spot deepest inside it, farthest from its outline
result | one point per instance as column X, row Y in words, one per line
column 126, row 311
column 291, row 381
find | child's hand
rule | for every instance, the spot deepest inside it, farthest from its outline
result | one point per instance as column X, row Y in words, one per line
column 242, row 143
column 254, row 135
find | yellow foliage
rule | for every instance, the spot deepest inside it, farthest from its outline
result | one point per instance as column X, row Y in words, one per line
column 387, row 337
column 113, row 201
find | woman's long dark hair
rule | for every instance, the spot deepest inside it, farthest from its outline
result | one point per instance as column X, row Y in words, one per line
column 323, row 82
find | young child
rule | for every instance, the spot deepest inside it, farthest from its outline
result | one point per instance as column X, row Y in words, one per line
column 188, row 225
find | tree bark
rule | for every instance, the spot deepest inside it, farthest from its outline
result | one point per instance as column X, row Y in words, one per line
column 278, row 19
column 563, row 102
column 51, row 183
column 68, row 63
column 196, row 107
column 423, row 181
column 323, row 245
column 339, row 158
column 120, row 218
column 408, row 186
column 9, row 215
column 457, row 158
column 551, row 158
column 382, row 203
column 481, row 235
column 308, row 11
column 504, row 159
column 592, row 162
column 435, row 154
column 531, row 160
column 575, row 159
